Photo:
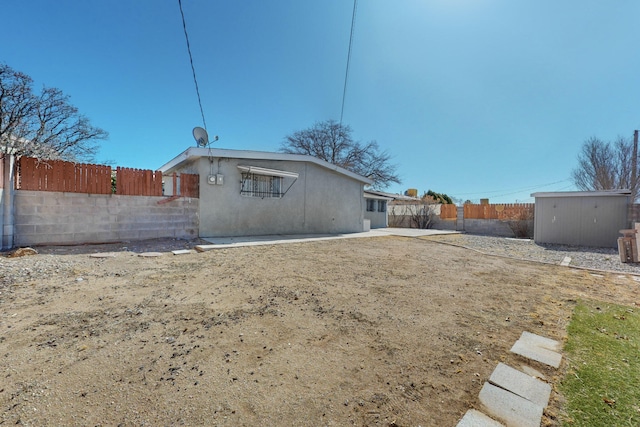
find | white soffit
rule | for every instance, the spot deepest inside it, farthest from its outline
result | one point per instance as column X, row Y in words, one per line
column 269, row 172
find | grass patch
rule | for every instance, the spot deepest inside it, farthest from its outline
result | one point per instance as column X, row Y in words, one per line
column 602, row 385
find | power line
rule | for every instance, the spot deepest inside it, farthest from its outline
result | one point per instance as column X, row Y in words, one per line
column 346, row 73
column 193, row 70
column 513, row 191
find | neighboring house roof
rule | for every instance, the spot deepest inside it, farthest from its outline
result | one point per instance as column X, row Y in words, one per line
column 372, row 194
column 378, row 195
column 193, row 153
column 584, row 193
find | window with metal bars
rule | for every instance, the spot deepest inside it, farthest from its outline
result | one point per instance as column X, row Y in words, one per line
column 262, row 186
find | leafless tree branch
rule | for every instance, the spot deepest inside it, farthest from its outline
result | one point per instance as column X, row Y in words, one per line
column 332, row 142
column 43, row 125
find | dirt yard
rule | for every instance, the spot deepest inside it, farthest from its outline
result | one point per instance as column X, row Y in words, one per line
column 386, row 331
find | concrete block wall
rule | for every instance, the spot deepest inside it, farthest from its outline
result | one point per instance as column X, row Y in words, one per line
column 42, row 218
column 489, row 227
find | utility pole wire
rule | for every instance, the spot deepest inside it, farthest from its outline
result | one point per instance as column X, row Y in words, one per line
column 193, row 70
column 346, row 74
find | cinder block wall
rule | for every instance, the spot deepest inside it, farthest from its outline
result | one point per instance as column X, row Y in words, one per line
column 490, row 227
column 43, row 218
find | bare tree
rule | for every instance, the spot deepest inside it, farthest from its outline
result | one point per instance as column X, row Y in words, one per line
column 606, row 166
column 43, row 125
column 332, row 142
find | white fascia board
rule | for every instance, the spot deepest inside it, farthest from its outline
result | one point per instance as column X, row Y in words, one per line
column 197, row 152
column 602, row 193
column 171, row 164
column 376, row 197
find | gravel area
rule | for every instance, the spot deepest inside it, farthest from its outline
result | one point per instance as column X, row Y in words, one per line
column 606, row 259
column 49, row 262
column 52, row 261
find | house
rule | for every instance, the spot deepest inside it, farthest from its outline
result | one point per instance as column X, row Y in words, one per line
column 376, row 211
column 246, row 193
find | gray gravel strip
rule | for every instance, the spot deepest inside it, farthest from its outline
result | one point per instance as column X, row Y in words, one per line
column 606, row 259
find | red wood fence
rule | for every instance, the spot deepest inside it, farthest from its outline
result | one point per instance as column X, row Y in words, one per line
column 138, row 182
column 57, row 175
column 509, row 211
column 189, row 184
column 448, row 212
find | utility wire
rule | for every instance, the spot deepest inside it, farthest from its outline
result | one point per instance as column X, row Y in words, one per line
column 513, row 191
column 193, row 70
column 346, row 74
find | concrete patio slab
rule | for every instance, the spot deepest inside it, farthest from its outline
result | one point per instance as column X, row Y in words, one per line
column 474, row 418
column 232, row 242
column 519, row 383
column 509, row 408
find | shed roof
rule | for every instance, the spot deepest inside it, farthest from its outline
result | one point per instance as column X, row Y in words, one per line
column 194, row 153
column 601, row 193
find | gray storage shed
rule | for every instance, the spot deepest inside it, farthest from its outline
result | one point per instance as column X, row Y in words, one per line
column 581, row 218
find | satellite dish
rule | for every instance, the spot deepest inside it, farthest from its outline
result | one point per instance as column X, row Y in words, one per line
column 201, row 136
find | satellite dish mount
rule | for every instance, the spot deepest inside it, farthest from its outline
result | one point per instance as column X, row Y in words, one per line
column 201, row 136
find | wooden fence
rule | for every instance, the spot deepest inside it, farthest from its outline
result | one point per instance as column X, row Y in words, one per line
column 448, row 212
column 509, row 211
column 189, row 184
column 138, row 182
column 57, row 175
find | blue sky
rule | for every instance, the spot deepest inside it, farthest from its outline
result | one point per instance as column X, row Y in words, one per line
column 475, row 99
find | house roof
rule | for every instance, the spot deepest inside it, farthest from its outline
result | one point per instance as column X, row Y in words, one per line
column 194, row 153
column 602, row 193
column 373, row 194
column 378, row 195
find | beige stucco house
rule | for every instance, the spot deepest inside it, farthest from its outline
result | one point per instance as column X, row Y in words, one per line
column 246, row 193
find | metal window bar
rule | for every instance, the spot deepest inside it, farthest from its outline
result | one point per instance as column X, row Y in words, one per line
column 261, row 185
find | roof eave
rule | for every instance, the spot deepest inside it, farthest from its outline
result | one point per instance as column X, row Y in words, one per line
column 196, row 152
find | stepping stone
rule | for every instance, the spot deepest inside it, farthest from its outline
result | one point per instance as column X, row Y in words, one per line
column 150, row 254
column 509, row 408
column 538, row 348
column 539, row 341
column 103, row 255
column 532, row 372
column 521, row 384
column 182, row 251
column 475, row 418
column 566, row 261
